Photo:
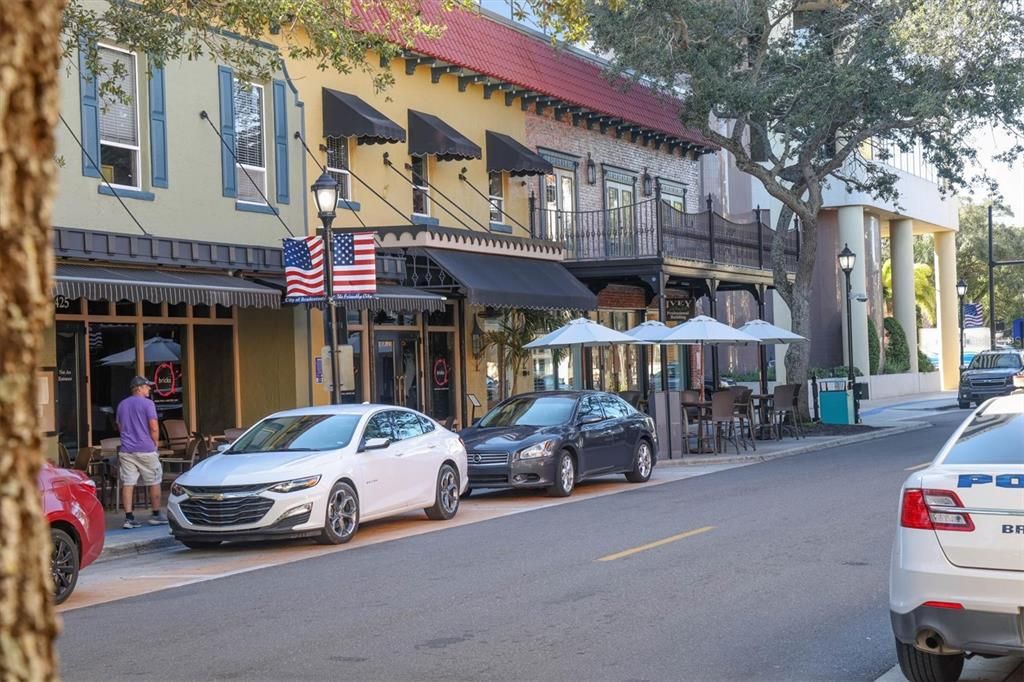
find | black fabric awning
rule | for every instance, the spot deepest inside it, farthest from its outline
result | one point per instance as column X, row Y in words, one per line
column 504, row 153
column 429, row 135
column 160, row 286
column 510, row 282
column 346, row 115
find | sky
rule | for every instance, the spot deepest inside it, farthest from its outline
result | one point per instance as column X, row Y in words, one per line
column 990, row 141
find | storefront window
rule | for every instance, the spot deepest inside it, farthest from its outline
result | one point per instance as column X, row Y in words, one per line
column 215, row 378
column 615, row 368
column 112, row 364
column 163, row 351
column 383, row 318
column 71, row 397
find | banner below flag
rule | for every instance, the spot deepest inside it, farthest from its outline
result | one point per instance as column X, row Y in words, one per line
column 304, row 269
column 973, row 315
column 355, row 263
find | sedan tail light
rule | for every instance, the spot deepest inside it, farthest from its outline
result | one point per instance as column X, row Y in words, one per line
column 927, row 510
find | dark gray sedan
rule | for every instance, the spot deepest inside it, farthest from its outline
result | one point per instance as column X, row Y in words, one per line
column 555, row 439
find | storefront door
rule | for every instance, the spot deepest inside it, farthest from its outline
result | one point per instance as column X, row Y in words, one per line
column 72, row 422
column 397, row 369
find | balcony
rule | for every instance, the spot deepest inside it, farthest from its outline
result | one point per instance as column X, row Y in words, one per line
column 654, row 229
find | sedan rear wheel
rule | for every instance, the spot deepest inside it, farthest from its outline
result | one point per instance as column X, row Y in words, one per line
column 342, row 518
column 565, row 475
column 920, row 666
column 643, row 463
column 63, row 564
column 446, row 500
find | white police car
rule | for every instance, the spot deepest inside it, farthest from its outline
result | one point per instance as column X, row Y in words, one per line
column 956, row 584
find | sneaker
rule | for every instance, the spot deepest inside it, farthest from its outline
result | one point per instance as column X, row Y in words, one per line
column 131, row 523
column 157, row 520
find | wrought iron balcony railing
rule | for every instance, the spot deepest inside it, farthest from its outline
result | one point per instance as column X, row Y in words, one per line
column 653, row 228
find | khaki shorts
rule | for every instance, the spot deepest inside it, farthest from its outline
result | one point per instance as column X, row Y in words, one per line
column 145, row 465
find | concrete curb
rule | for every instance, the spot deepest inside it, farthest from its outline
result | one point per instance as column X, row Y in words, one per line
column 754, row 457
column 141, row 546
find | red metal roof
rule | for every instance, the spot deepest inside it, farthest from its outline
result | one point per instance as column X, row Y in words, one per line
column 500, row 51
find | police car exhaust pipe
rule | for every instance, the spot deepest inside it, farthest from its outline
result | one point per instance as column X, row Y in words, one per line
column 931, row 642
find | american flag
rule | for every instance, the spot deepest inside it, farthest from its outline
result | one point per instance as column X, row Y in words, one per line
column 355, row 263
column 304, row 268
column 973, row 315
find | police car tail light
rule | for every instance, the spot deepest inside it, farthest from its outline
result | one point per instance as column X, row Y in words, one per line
column 927, row 510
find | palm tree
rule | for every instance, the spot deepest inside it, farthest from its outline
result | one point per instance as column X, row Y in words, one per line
column 516, row 328
column 924, row 289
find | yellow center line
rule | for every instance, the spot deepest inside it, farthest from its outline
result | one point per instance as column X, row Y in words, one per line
column 918, row 466
column 658, row 543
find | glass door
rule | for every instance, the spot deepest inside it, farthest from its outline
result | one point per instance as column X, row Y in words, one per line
column 619, row 207
column 559, row 204
column 396, row 369
column 72, row 417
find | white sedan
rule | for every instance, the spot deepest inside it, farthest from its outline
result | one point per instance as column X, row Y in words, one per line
column 956, row 583
column 319, row 472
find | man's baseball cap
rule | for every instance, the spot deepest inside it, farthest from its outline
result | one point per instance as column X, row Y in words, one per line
column 140, row 381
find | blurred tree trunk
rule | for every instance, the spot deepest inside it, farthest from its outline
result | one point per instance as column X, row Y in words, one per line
column 29, row 72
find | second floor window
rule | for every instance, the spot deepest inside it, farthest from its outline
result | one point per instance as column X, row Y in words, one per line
column 496, row 190
column 337, row 164
column 249, row 148
column 420, row 189
column 119, row 120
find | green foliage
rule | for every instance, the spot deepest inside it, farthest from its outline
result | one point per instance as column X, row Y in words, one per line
column 897, row 353
column 750, row 376
column 840, row 372
column 331, row 34
column 923, row 363
column 924, row 289
column 515, row 329
column 874, row 347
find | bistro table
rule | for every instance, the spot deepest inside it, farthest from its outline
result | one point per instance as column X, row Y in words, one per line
column 703, row 416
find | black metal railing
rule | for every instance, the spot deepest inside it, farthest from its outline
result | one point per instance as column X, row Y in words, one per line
column 653, row 228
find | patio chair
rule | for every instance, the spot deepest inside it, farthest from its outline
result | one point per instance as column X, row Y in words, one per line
column 84, row 458
column 63, row 457
column 723, row 419
column 231, row 435
column 783, row 406
column 631, row 397
column 744, row 413
column 692, row 415
column 177, row 435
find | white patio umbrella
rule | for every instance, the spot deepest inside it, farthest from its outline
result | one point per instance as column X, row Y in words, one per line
column 651, row 331
column 155, row 349
column 581, row 332
column 768, row 334
column 703, row 330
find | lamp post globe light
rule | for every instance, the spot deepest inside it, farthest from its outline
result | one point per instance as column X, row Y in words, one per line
column 847, row 259
column 325, row 195
column 961, row 291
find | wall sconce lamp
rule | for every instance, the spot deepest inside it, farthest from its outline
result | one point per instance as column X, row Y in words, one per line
column 591, row 170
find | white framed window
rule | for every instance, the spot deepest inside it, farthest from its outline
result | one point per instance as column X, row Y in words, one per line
column 420, row 189
column 676, row 201
column 250, row 152
column 119, row 119
column 496, row 190
column 337, row 165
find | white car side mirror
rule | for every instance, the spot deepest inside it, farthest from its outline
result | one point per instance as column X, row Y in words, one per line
column 374, row 444
column 223, row 446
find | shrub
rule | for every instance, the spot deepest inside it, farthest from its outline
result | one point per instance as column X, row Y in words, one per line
column 840, row 372
column 874, row 347
column 897, row 355
column 923, row 363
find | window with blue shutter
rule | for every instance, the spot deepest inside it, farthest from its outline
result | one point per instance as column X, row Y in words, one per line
column 90, row 115
column 281, row 141
column 225, row 79
column 157, row 126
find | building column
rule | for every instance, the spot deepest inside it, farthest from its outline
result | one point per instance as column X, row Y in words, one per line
column 904, row 299
column 946, row 303
column 851, row 231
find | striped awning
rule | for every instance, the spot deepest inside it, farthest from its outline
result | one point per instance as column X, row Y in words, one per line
column 390, row 298
column 160, row 286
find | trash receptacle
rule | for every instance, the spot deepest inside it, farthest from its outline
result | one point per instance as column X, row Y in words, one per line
column 836, row 401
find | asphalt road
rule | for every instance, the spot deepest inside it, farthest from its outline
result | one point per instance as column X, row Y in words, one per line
column 775, row 571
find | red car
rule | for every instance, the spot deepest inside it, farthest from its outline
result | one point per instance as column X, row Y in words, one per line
column 77, row 524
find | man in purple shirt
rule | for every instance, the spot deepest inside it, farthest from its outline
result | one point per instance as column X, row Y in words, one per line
column 140, row 430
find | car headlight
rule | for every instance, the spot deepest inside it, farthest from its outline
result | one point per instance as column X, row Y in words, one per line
column 177, row 489
column 295, row 484
column 541, row 449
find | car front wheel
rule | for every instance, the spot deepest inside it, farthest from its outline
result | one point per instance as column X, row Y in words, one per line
column 964, row 404
column 446, row 499
column 920, row 666
column 200, row 544
column 63, row 564
column 565, row 475
column 643, row 463
column 342, row 517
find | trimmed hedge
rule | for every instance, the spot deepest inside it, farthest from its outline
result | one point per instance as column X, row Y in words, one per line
column 897, row 354
column 923, row 363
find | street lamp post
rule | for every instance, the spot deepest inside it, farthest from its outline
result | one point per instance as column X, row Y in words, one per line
column 846, row 260
column 325, row 193
column 961, row 291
